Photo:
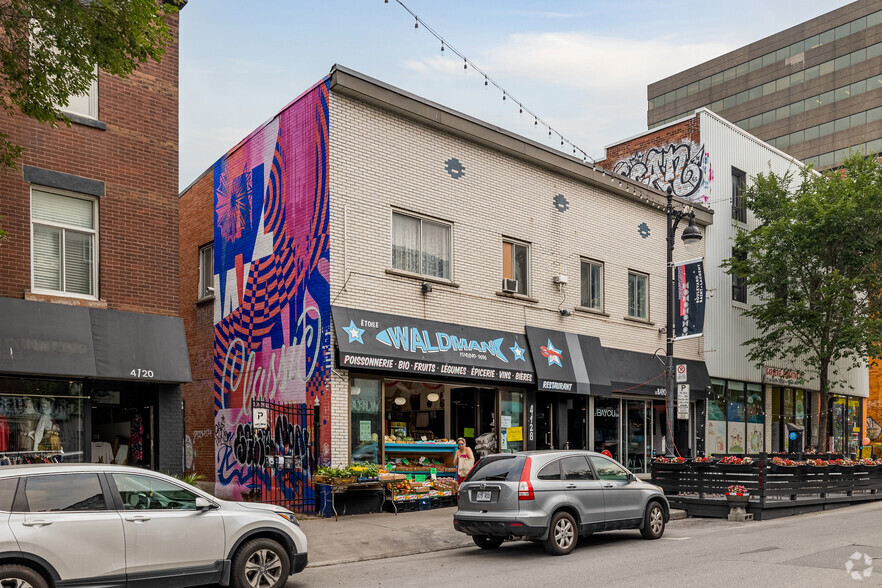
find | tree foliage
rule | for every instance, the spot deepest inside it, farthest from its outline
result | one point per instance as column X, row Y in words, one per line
column 49, row 50
column 813, row 264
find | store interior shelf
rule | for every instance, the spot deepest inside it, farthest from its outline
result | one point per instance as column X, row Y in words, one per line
column 420, row 447
column 425, row 472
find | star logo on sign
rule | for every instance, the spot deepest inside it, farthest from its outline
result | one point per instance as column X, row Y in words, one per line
column 518, row 352
column 554, row 355
column 354, row 332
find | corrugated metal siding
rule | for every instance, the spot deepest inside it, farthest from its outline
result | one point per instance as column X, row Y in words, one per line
column 725, row 328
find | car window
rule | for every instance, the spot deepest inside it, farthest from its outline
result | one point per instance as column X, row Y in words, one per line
column 576, row 468
column 550, row 471
column 608, row 469
column 64, row 492
column 7, row 492
column 139, row 492
column 496, row 468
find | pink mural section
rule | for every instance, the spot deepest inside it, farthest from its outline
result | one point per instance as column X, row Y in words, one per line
column 272, row 306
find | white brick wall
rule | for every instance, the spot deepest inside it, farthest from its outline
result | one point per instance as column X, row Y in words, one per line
column 381, row 161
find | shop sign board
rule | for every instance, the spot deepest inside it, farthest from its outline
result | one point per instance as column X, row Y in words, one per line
column 515, row 433
column 385, row 342
column 568, row 362
column 783, row 376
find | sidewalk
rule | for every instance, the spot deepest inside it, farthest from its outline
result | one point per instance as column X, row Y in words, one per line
column 381, row 535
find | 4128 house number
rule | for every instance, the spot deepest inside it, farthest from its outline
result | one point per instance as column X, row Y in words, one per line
column 139, row 373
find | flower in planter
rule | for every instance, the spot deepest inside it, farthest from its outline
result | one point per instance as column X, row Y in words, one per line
column 736, row 490
column 703, row 460
column 867, row 462
column 736, row 460
column 784, row 461
column 844, row 462
column 818, row 463
column 670, row 460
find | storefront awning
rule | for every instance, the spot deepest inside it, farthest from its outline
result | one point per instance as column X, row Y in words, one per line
column 43, row 339
column 632, row 372
column 374, row 341
column 567, row 362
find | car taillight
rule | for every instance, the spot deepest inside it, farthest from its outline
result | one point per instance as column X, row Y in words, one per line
column 525, row 488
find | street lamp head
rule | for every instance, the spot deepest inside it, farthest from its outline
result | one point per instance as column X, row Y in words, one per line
column 692, row 238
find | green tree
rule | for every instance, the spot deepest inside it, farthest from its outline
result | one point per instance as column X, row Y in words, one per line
column 49, row 50
column 813, row 264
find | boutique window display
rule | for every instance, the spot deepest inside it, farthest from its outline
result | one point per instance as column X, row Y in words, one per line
column 39, row 427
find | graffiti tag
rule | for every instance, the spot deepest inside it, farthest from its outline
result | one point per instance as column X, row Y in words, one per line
column 676, row 169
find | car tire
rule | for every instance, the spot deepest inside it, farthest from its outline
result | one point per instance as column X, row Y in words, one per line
column 653, row 521
column 21, row 576
column 260, row 563
column 562, row 534
column 485, row 542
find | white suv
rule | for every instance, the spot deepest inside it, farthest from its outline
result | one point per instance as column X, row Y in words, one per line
column 104, row 525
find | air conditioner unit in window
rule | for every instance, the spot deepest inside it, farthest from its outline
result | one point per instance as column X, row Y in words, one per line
column 509, row 285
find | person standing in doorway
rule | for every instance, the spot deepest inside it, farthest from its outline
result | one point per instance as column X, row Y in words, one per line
column 464, row 460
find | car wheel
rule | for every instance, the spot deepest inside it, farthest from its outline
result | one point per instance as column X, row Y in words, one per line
column 562, row 535
column 485, row 542
column 260, row 563
column 15, row 576
column 653, row 521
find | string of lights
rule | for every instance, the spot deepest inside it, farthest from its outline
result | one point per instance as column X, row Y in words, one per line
column 488, row 81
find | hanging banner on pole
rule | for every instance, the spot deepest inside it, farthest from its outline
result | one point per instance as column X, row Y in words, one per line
column 690, row 299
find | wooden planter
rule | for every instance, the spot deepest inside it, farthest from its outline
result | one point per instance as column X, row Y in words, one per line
column 669, row 466
column 735, row 467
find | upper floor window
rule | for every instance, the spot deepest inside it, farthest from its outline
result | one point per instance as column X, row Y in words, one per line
column 421, row 246
column 638, row 295
column 592, row 285
column 739, row 284
column 84, row 104
column 739, row 181
column 515, row 267
column 64, row 243
column 206, row 271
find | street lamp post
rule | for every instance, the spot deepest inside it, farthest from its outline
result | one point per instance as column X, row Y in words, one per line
column 691, row 238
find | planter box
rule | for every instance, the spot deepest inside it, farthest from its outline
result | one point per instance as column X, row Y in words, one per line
column 735, row 467
column 737, row 500
column 703, row 464
column 783, row 469
column 669, row 466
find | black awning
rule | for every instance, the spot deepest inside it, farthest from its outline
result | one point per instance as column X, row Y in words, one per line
column 43, row 339
column 632, row 372
column 374, row 341
column 567, row 362
column 134, row 346
column 46, row 339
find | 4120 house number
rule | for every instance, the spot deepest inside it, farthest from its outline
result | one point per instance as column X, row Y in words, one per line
column 139, row 373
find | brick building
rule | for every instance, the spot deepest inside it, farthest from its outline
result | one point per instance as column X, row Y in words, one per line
column 93, row 350
column 706, row 159
column 418, row 272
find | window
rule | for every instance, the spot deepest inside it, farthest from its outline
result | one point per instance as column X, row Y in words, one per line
column 64, row 239
column 576, row 468
column 366, row 419
column 638, row 290
column 420, row 246
column 608, row 469
column 84, row 104
column 139, row 492
column 550, row 472
column 206, row 271
column 7, row 493
column 739, row 180
column 515, row 264
column 592, row 285
column 739, row 283
column 64, row 492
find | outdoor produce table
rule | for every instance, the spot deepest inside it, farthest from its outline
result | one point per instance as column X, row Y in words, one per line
column 340, row 488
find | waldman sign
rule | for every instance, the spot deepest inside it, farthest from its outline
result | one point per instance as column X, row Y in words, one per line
column 386, row 342
column 690, row 299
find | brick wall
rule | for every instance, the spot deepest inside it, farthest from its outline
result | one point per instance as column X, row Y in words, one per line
column 137, row 158
column 683, row 132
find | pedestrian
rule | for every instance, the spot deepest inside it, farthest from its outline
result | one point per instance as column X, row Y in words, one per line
column 464, row 460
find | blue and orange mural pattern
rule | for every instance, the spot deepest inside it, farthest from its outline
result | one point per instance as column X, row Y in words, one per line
column 272, row 306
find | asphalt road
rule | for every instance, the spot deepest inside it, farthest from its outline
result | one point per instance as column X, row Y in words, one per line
column 807, row 550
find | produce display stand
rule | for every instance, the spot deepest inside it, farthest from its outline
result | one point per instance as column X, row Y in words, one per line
column 340, row 488
column 434, row 455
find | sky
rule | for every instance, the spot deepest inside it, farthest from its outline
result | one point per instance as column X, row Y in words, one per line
column 581, row 66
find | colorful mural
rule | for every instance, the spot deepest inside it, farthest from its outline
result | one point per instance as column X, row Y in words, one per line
column 683, row 169
column 272, row 306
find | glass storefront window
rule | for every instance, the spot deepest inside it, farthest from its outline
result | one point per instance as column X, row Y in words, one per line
column 716, row 419
column 511, row 410
column 366, row 418
column 755, row 418
column 836, row 418
column 606, row 426
column 41, row 420
column 737, row 432
column 777, row 419
column 854, row 425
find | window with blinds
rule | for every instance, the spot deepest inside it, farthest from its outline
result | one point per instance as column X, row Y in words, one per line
column 206, row 271
column 63, row 248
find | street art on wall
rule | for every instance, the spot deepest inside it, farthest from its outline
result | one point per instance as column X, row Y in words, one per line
column 683, row 169
column 272, row 307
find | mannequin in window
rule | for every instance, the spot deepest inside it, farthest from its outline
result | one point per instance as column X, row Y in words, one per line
column 45, row 425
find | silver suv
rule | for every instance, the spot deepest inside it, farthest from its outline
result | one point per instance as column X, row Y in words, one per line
column 554, row 497
column 105, row 525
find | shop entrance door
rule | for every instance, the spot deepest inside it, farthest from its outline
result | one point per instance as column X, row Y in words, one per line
column 638, row 435
column 546, row 425
column 561, row 421
column 473, row 417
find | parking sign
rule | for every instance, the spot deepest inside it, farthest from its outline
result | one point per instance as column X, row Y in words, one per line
column 681, row 372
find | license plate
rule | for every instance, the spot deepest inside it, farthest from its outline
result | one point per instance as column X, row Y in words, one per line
column 482, row 496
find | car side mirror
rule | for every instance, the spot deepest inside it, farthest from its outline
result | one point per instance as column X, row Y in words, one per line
column 631, row 477
column 203, row 504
